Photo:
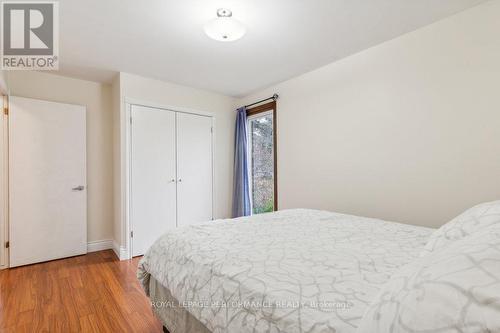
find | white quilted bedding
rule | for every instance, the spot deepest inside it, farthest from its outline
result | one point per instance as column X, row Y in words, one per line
column 290, row 271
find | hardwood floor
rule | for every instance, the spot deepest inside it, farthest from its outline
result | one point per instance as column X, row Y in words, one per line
column 91, row 293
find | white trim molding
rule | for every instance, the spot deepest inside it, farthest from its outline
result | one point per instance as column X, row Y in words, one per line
column 139, row 102
column 4, row 87
column 120, row 251
column 4, row 183
column 99, row 245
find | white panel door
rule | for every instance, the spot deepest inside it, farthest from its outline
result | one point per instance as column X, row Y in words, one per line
column 153, row 177
column 47, row 180
column 194, row 169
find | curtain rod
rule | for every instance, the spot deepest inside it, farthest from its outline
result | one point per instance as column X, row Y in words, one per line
column 273, row 97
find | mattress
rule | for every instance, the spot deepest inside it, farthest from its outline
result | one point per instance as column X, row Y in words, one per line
column 290, row 271
column 173, row 315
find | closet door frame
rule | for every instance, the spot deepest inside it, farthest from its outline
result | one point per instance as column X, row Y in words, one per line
column 124, row 251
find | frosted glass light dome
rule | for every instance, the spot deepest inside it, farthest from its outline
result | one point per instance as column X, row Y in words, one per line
column 225, row 28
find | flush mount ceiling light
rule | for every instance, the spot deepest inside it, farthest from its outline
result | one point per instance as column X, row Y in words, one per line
column 225, row 28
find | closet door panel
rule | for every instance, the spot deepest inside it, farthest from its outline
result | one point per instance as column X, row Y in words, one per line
column 153, row 174
column 194, row 169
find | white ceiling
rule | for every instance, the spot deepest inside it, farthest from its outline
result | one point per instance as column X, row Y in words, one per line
column 164, row 39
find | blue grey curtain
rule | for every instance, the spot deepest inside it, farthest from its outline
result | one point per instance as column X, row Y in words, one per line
column 241, row 190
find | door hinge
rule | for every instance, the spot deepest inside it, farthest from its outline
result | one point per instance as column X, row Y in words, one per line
column 6, row 105
column 130, row 120
column 131, row 234
column 7, row 245
column 211, row 129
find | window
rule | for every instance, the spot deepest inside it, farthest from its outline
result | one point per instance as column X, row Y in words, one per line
column 262, row 157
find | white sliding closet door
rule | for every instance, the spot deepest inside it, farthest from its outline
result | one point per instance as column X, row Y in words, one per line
column 153, row 176
column 47, row 181
column 194, row 169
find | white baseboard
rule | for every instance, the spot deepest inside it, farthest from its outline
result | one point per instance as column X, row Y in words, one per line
column 100, row 245
column 120, row 251
column 108, row 244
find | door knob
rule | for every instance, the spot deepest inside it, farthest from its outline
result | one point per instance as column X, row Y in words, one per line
column 78, row 188
column 172, row 180
column 180, row 180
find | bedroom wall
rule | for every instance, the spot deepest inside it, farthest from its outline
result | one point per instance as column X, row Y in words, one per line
column 169, row 94
column 97, row 98
column 405, row 131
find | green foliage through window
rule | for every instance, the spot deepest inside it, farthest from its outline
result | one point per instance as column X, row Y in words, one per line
column 262, row 163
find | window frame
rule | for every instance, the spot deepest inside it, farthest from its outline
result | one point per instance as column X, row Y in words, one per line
column 256, row 112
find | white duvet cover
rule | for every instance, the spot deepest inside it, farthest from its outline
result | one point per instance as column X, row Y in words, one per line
column 289, row 271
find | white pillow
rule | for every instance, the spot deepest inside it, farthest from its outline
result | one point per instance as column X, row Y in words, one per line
column 455, row 289
column 472, row 220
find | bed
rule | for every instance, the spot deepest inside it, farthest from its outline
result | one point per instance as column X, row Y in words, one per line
column 290, row 271
column 332, row 263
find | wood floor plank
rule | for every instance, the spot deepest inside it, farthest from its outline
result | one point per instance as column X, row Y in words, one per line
column 91, row 293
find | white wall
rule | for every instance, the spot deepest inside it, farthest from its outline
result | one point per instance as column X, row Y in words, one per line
column 168, row 94
column 408, row 130
column 97, row 98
